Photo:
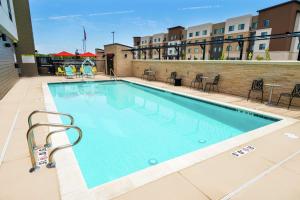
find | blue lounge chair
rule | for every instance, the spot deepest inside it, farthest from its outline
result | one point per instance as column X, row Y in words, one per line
column 69, row 72
column 88, row 71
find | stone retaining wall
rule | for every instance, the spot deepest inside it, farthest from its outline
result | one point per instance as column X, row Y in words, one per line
column 236, row 76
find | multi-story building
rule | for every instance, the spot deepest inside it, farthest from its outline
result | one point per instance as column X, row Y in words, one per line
column 278, row 19
column 199, row 33
column 237, row 27
column 175, row 36
column 8, row 37
column 158, row 40
column 136, row 45
column 16, row 43
column 216, row 48
column 146, row 41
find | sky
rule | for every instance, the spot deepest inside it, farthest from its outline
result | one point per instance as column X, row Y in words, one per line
column 58, row 24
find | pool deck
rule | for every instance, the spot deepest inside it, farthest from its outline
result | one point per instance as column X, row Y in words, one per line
column 271, row 171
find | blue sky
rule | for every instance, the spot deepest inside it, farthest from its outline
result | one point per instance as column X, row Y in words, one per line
column 57, row 24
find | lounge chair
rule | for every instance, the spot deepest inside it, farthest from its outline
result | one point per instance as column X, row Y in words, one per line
column 257, row 86
column 213, row 84
column 172, row 77
column 198, row 80
column 60, row 71
column 94, row 70
column 294, row 94
column 69, row 72
column 88, row 71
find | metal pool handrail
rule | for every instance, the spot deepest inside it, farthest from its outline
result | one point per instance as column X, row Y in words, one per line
column 32, row 144
column 113, row 75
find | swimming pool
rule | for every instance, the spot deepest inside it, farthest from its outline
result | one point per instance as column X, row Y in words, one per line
column 129, row 127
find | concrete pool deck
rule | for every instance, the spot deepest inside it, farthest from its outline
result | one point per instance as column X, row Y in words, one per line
column 269, row 172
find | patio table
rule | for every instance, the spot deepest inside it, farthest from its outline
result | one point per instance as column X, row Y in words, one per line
column 271, row 86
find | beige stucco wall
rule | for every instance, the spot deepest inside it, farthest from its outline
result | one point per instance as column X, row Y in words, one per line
column 122, row 63
column 236, row 76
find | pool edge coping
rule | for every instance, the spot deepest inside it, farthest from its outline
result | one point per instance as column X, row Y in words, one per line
column 66, row 160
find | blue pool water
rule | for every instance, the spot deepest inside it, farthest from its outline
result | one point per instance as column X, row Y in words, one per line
column 128, row 127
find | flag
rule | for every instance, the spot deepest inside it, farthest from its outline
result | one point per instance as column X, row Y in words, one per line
column 84, row 34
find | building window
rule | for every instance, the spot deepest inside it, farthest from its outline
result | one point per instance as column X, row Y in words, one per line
column 220, row 49
column 262, row 46
column 158, row 39
column 254, row 25
column 155, row 40
column 298, row 47
column 266, row 23
column 204, row 40
column 241, row 26
column 204, row 32
column 231, row 28
column 9, row 9
column 230, row 37
column 264, row 34
column 215, row 49
column 238, row 48
column 222, row 30
column 197, row 33
column 190, row 35
column 229, row 48
column 239, row 36
column 196, row 50
column 170, row 51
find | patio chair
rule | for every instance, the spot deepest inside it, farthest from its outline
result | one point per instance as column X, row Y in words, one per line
column 88, row 71
column 60, row 71
column 94, row 70
column 69, row 72
column 145, row 74
column 151, row 75
column 198, row 79
column 294, row 94
column 257, row 86
column 172, row 77
column 213, row 84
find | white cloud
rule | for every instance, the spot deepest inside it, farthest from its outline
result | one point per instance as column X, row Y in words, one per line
column 63, row 17
column 200, row 7
column 112, row 13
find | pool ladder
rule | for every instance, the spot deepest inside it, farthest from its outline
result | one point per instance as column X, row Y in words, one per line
column 39, row 154
column 113, row 75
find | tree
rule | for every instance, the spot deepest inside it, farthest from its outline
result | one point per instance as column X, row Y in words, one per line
column 267, row 54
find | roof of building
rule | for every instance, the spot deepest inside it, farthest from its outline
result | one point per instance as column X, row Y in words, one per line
column 175, row 27
column 278, row 5
column 119, row 45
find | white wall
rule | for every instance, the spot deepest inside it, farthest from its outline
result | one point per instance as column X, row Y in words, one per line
column 258, row 42
column 174, row 52
column 200, row 29
column 246, row 19
column 7, row 26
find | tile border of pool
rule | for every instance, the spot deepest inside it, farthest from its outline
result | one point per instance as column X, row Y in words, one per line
column 72, row 183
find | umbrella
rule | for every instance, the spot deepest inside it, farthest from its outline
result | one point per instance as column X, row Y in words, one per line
column 87, row 54
column 64, row 54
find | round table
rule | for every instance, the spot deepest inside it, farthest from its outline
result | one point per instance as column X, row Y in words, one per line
column 272, row 86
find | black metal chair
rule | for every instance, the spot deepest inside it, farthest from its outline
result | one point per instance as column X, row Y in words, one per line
column 295, row 94
column 213, row 84
column 198, row 80
column 257, row 86
column 172, row 77
column 145, row 74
